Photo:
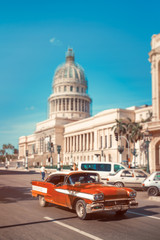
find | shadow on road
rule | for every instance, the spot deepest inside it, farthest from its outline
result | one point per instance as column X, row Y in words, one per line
column 16, row 172
column 14, row 194
column 38, row 222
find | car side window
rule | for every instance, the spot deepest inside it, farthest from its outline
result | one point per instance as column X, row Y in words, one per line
column 157, row 177
column 126, row 173
column 117, row 167
column 56, row 179
column 140, row 174
column 104, row 167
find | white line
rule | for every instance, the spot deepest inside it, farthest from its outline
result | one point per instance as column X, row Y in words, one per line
column 74, row 229
column 141, row 214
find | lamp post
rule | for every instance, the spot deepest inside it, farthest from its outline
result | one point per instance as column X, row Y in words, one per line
column 134, row 152
column 58, row 161
column 128, row 146
column 147, row 138
column 120, row 150
column 26, row 159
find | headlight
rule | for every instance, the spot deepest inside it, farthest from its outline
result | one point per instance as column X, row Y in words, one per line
column 132, row 194
column 98, row 197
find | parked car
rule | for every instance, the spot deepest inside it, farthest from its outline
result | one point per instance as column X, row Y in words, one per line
column 83, row 192
column 128, row 178
column 152, row 184
column 103, row 168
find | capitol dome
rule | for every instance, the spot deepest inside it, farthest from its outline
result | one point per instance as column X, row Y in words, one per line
column 69, row 98
column 69, row 71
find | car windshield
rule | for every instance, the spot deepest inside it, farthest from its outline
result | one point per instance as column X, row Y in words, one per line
column 83, row 178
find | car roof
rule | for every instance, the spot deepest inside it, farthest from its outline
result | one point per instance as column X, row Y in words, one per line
column 72, row 172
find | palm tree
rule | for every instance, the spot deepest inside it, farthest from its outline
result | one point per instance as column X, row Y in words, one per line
column 120, row 127
column 135, row 134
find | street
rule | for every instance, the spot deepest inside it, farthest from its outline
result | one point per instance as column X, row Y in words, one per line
column 22, row 218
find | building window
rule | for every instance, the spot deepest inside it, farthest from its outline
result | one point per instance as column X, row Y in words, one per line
column 77, row 89
column 106, row 141
column 70, row 73
column 79, row 105
column 65, row 73
column 71, row 88
column 71, row 104
column 67, row 104
column 82, row 90
column 59, row 89
column 59, row 104
column 63, row 104
column 82, row 105
column 110, row 137
column 100, row 142
column 76, row 104
column 86, row 107
column 65, row 88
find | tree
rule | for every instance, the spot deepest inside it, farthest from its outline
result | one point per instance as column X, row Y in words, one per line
column 120, row 127
column 7, row 151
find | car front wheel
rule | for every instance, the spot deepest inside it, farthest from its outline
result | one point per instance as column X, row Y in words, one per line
column 153, row 191
column 42, row 201
column 81, row 209
column 119, row 184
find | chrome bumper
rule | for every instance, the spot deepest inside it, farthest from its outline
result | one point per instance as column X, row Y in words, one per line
column 96, row 207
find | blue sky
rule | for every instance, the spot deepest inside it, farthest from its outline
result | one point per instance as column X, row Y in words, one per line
column 111, row 41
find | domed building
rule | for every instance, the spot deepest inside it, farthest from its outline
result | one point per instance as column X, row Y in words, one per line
column 88, row 138
column 68, row 103
column 69, row 99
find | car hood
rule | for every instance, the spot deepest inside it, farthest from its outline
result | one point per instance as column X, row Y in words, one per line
column 109, row 192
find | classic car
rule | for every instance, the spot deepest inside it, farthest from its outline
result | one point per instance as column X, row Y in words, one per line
column 83, row 192
column 131, row 178
column 152, row 184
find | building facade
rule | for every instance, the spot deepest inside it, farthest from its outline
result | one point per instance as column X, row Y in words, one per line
column 88, row 138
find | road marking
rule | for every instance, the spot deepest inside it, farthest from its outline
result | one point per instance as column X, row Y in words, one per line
column 141, row 214
column 74, row 229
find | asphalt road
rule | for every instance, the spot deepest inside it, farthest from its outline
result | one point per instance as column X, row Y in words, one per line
column 22, row 218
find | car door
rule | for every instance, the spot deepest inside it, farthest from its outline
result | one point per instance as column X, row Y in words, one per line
column 56, row 189
column 140, row 176
column 156, row 180
column 128, row 178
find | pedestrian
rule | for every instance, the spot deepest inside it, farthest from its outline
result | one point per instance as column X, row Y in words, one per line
column 74, row 168
column 43, row 171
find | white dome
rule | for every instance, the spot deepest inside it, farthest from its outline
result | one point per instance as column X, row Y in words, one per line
column 69, row 71
column 69, row 98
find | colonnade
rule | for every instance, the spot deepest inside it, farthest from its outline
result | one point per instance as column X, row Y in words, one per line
column 69, row 104
column 81, row 142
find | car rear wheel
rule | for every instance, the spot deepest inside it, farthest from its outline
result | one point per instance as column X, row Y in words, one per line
column 42, row 201
column 81, row 209
column 153, row 191
column 119, row 184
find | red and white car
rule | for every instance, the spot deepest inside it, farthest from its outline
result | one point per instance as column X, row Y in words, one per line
column 83, row 192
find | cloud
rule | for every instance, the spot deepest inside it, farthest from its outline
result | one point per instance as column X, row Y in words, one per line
column 31, row 108
column 55, row 42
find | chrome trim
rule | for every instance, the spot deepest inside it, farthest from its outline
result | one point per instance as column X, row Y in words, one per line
column 97, row 207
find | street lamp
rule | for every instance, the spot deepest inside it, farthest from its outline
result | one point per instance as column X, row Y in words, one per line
column 120, row 150
column 26, row 159
column 58, row 162
column 134, row 152
column 147, row 136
